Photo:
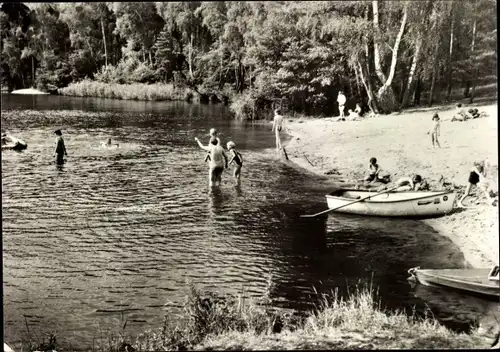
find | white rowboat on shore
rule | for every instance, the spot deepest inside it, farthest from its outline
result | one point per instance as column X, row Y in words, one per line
column 479, row 281
column 403, row 204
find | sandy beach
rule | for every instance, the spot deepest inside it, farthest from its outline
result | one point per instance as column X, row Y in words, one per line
column 341, row 151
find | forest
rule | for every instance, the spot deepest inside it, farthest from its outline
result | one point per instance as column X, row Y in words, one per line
column 389, row 55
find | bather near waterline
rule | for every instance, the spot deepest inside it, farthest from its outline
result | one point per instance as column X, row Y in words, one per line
column 10, row 142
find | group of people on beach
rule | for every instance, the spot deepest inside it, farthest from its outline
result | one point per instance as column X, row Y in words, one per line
column 477, row 174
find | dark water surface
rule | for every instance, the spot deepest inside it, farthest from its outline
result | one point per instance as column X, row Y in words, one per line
column 118, row 232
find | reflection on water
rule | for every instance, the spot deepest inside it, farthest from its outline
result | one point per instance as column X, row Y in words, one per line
column 123, row 229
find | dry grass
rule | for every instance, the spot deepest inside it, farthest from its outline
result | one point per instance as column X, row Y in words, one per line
column 136, row 91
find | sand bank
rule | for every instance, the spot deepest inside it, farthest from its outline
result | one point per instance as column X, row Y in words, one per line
column 29, row 91
column 402, row 147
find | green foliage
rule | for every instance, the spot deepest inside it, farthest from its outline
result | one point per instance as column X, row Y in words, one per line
column 296, row 53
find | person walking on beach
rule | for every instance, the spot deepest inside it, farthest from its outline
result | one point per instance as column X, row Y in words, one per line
column 237, row 159
column 218, row 160
column 277, row 127
column 435, row 129
column 477, row 177
column 60, row 148
column 341, row 100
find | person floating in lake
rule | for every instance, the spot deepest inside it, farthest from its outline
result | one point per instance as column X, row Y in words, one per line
column 60, row 148
column 237, row 159
column 477, row 177
column 13, row 143
column 108, row 144
column 277, row 127
column 375, row 173
column 213, row 134
column 218, row 160
column 414, row 183
column 434, row 131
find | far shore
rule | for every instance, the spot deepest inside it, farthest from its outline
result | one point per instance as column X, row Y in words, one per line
column 402, row 147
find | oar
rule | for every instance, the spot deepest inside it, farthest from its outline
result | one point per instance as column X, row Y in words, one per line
column 356, row 201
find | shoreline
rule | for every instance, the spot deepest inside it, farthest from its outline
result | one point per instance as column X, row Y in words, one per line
column 402, row 147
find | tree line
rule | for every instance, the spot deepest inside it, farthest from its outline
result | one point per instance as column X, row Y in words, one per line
column 259, row 54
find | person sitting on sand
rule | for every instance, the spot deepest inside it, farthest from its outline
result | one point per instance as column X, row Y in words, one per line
column 375, row 172
column 358, row 109
column 353, row 115
column 435, row 129
column 460, row 114
column 218, row 160
column 237, row 159
column 213, row 134
column 414, row 183
column 108, row 144
column 477, row 177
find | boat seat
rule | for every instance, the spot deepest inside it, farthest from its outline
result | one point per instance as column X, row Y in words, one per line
column 494, row 273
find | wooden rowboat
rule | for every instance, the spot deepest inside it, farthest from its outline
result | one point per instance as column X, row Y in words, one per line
column 405, row 204
column 481, row 281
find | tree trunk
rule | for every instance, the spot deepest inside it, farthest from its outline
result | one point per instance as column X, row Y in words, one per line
column 191, row 56
column 104, row 41
column 450, row 67
column 433, row 84
column 475, row 70
column 376, row 57
column 33, row 71
column 418, row 91
column 372, row 100
column 385, row 93
column 413, row 68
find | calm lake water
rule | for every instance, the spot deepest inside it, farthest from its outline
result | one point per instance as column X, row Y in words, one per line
column 117, row 233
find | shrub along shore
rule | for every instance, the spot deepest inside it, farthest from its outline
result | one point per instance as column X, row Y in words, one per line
column 214, row 322
column 135, row 91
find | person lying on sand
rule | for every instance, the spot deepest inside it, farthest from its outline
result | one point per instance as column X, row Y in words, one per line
column 375, row 173
column 477, row 177
column 414, row 183
column 475, row 114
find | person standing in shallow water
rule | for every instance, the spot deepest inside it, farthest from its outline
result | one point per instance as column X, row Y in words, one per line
column 218, row 160
column 60, row 148
column 277, row 127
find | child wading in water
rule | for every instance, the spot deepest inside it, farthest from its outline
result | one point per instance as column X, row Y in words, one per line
column 212, row 134
column 238, row 160
column 60, row 148
column 434, row 132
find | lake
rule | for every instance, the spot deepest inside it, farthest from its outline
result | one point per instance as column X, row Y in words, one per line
column 118, row 233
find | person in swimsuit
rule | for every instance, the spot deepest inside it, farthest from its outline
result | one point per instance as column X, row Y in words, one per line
column 218, row 160
column 434, row 131
column 108, row 144
column 237, row 159
column 375, row 173
column 277, row 127
column 414, row 183
column 477, row 177
column 60, row 148
column 212, row 134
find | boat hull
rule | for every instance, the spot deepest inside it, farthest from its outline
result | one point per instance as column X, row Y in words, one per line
column 399, row 204
column 468, row 280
